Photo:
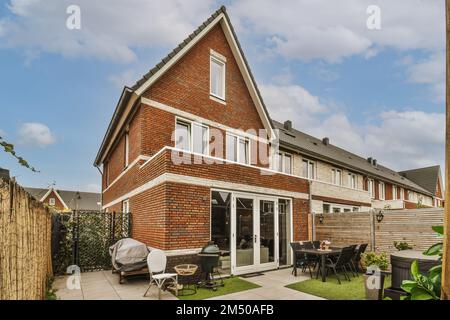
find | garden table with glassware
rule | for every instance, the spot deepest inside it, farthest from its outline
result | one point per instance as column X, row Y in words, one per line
column 323, row 254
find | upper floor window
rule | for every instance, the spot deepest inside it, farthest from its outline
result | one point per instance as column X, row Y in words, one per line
column 308, row 169
column 217, row 78
column 183, row 135
column 381, row 191
column 283, row 162
column 352, row 183
column 237, row 149
column 336, row 177
column 52, row 201
column 394, row 193
column 127, row 149
column 371, row 187
column 191, row 136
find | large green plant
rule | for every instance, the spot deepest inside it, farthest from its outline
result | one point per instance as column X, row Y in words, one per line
column 426, row 287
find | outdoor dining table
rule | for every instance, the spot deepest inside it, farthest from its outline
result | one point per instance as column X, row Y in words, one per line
column 323, row 254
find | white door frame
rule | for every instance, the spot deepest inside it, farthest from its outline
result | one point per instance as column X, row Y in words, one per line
column 256, row 266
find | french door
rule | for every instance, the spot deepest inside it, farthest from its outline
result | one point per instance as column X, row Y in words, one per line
column 254, row 228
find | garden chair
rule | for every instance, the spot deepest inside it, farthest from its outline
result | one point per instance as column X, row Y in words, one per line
column 342, row 261
column 157, row 261
column 356, row 261
column 301, row 260
column 316, row 244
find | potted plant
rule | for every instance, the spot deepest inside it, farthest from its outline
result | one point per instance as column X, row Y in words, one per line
column 375, row 265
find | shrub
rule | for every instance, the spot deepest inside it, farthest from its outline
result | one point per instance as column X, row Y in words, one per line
column 375, row 259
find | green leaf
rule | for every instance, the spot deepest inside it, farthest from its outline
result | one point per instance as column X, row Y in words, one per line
column 420, row 294
column 408, row 285
column 415, row 270
column 434, row 250
column 438, row 229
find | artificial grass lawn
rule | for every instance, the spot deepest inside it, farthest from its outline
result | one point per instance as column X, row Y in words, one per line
column 332, row 290
column 232, row 285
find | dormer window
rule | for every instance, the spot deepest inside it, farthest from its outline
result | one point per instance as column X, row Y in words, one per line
column 217, row 76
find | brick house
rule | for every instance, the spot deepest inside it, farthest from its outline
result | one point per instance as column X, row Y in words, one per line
column 192, row 152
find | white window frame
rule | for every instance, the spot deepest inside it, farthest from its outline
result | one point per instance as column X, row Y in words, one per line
column 310, row 162
column 186, row 122
column 283, row 155
column 334, row 172
column 394, row 193
column 218, row 60
column 238, row 139
column 352, row 176
column 381, row 187
column 191, row 133
column 371, row 187
column 402, row 194
column 126, row 206
column 127, row 149
column 52, row 201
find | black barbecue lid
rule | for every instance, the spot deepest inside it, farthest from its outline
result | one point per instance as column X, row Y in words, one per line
column 211, row 248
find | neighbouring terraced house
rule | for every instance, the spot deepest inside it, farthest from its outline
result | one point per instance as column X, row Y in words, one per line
column 192, row 152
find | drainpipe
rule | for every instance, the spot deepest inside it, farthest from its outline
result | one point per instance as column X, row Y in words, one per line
column 313, row 231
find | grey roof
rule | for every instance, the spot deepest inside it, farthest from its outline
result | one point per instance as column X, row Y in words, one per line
column 427, row 178
column 122, row 102
column 314, row 147
column 86, row 201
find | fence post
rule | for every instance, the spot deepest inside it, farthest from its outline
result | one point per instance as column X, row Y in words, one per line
column 313, row 226
column 372, row 230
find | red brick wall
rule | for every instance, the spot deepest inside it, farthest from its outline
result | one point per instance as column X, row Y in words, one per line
column 186, row 86
column 438, row 189
column 174, row 216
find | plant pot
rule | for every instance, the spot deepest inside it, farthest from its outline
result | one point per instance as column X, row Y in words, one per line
column 374, row 284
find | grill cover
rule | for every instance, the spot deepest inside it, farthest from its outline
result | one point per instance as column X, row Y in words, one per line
column 128, row 255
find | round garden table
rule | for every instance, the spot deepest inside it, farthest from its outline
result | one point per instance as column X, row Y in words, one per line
column 186, row 278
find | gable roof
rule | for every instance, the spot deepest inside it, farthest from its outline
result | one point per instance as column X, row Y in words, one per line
column 72, row 199
column 219, row 17
column 315, row 148
column 427, row 177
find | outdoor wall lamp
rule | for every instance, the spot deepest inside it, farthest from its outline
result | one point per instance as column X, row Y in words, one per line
column 380, row 216
column 321, row 218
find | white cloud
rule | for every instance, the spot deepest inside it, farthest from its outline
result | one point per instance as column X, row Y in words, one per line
column 333, row 30
column 109, row 30
column 126, row 78
column 398, row 139
column 35, row 134
column 430, row 71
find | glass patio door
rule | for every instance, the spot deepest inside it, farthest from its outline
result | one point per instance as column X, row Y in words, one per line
column 254, row 234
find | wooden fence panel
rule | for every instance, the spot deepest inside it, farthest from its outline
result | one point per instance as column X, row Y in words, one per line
column 411, row 226
column 25, row 250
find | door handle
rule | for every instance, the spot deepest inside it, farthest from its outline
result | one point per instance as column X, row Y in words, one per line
column 255, row 238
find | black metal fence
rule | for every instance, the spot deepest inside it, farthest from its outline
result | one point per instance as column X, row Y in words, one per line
column 83, row 238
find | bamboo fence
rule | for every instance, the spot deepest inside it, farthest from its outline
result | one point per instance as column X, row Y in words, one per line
column 25, row 244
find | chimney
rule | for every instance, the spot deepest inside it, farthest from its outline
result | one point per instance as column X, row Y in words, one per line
column 374, row 162
column 369, row 160
column 4, row 174
column 326, row 141
column 288, row 125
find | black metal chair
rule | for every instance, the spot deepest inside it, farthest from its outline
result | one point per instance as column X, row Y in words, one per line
column 356, row 260
column 342, row 261
column 316, row 244
column 301, row 260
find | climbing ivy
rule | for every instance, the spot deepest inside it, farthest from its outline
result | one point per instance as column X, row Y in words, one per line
column 8, row 147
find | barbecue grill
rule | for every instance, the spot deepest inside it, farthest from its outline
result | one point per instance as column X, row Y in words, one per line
column 209, row 261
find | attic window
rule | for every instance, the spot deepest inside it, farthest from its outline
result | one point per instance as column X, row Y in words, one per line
column 217, row 77
column 52, row 201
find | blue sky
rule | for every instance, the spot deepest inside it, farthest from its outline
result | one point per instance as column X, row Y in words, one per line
column 375, row 92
